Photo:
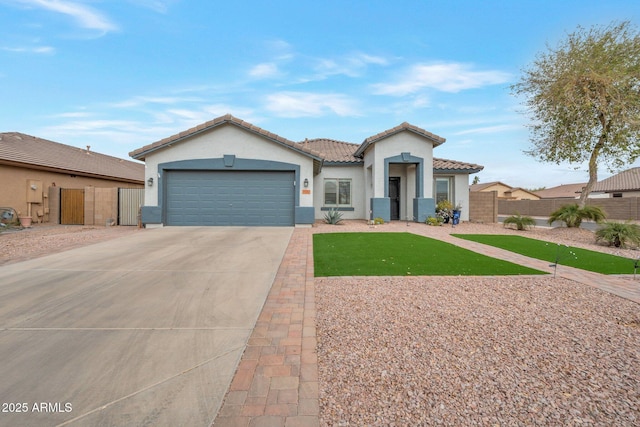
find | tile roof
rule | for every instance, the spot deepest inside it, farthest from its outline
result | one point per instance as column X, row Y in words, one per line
column 482, row 186
column 141, row 153
column 332, row 150
column 628, row 180
column 445, row 165
column 564, row 191
column 30, row 151
column 437, row 140
column 321, row 149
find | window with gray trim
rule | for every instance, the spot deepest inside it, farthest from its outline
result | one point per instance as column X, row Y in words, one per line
column 337, row 192
column 442, row 189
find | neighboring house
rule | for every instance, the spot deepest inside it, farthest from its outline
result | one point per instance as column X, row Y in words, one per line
column 564, row 191
column 30, row 166
column 505, row 191
column 623, row 184
column 230, row 172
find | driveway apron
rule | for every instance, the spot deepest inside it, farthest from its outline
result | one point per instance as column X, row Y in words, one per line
column 142, row 330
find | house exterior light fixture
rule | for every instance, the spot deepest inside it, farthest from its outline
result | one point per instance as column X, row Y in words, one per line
column 306, row 183
column 150, row 182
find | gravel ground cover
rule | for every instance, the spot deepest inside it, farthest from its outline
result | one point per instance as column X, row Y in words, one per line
column 43, row 239
column 476, row 350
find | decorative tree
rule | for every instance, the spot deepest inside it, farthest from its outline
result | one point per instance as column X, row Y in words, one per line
column 584, row 100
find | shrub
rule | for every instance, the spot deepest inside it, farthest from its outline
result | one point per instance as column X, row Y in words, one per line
column 572, row 215
column 444, row 210
column 333, row 217
column 434, row 220
column 618, row 234
column 378, row 220
column 521, row 222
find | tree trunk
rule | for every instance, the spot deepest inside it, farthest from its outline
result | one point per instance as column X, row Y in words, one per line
column 593, row 161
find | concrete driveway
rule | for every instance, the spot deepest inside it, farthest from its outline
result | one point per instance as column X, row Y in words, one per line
column 142, row 330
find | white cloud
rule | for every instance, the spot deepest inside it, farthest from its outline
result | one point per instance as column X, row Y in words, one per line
column 41, row 50
column 84, row 15
column 264, row 70
column 350, row 65
column 160, row 6
column 304, row 104
column 489, row 129
column 445, row 77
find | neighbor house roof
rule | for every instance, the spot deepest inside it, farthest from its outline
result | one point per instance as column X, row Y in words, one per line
column 437, row 140
column 18, row 149
column 480, row 187
column 564, row 191
column 141, row 153
column 628, row 180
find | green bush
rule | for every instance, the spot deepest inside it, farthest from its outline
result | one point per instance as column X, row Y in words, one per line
column 378, row 220
column 572, row 215
column 521, row 222
column 619, row 234
column 434, row 220
column 333, row 217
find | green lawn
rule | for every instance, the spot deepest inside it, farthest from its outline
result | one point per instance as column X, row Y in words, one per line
column 402, row 254
column 567, row 255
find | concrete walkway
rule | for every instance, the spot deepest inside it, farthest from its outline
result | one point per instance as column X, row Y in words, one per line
column 276, row 384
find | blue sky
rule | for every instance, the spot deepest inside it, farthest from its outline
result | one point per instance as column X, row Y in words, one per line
column 120, row 74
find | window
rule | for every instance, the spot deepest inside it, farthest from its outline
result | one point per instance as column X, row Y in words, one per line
column 443, row 189
column 337, row 192
column 617, row 194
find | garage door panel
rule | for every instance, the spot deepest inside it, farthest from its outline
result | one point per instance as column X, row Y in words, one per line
column 230, row 198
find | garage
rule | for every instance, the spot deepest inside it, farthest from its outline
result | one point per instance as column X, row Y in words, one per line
column 230, row 197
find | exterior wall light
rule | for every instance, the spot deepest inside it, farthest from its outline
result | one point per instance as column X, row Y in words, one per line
column 150, row 182
column 306, row 183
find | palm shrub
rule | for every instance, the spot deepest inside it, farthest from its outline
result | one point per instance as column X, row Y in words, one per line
column 521, row 222
column 618, row 234
column 572, row 215
column 333, row 216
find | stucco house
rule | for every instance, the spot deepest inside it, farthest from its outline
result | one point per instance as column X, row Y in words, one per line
column 623, row 184
column 505, row 191
column 33, row 170
column 230, row 172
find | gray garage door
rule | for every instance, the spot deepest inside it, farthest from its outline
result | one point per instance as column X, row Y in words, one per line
column 230, row 198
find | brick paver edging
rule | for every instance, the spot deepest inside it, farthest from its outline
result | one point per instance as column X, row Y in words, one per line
column 276, row 382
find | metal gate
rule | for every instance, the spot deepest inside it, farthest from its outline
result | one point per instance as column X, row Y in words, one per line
column 129, row 202
column 71, row 206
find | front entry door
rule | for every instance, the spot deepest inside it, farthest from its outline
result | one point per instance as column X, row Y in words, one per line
column 394, row 196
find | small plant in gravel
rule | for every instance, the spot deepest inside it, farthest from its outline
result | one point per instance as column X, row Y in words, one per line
column 520, row 222
column 560, row 254
column 573, row 215
column 619, row 234
column 378, row 221
column 333, row 217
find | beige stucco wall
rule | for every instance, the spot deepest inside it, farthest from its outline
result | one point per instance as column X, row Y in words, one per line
column 14, row 188
column 356, row 175
column 228, row 140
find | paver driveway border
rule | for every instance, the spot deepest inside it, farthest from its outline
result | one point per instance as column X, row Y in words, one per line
column 145, row 329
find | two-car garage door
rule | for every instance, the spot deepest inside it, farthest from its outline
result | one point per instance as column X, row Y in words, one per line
column 195, row 197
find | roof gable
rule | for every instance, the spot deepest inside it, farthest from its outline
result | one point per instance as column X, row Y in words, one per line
column 403, row 127
column 33, row 152
column 227, row 119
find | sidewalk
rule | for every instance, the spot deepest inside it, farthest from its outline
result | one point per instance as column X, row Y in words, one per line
column 276, row 383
